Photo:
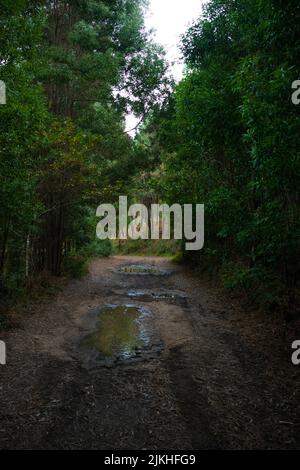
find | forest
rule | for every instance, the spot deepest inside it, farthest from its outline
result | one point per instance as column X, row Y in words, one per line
column 72, row 71
column 226, row 136
column 155, row 345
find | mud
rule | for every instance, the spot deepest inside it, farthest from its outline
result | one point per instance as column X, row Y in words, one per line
column 222, row 378
column 158, row 294
column 144, row 270
column 119, row 334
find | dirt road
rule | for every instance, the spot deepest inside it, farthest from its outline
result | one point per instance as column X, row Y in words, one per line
column 206, row 374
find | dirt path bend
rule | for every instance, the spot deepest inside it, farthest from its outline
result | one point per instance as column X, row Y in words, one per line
column 216, row 378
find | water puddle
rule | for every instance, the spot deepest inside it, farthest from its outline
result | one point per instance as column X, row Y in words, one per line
column 149, row 295
column 144, row 269
column 120, row 333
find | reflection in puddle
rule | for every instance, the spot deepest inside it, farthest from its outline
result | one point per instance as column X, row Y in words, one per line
column 144, row 269
column 171, row 296
column 121, row 332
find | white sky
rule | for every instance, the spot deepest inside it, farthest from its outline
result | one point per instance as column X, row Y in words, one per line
column 170, row 19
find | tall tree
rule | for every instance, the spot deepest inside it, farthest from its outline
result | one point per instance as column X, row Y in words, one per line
column 230, row 139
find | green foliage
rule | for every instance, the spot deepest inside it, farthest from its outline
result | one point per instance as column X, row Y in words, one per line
column 229, row 138
column 22, row 120
column 76, row 265
column 98, row 249
column 76, row 262
column 166, row 248
column 72, row 71
column 178, row 258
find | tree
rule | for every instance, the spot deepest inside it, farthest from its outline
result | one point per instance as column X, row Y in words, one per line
column 73, row 69
column 229, row 139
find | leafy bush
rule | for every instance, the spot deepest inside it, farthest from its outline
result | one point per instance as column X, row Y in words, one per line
column 233, row 144
column 98, row 249
column 178, row 258
column 147, row 247
column 260, row 285
column 76, row 265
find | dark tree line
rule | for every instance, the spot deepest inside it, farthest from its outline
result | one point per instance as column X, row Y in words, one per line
column 229, row 137
column 72, row 69
column 226, row 136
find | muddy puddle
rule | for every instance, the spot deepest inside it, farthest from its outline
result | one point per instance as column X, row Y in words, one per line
column 164, row 295
column 119, row 334
column 144, row 269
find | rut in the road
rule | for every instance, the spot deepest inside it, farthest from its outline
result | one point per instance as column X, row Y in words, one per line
column 215, row 381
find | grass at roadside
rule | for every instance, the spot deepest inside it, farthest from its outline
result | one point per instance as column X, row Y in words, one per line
column 167, row 248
